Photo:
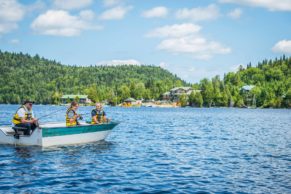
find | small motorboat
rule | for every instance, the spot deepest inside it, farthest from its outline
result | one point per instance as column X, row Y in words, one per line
column 54, row 134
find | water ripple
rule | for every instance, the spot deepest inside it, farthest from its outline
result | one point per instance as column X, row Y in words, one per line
column 157, row 150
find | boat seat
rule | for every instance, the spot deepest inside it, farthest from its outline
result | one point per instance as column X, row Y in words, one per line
column 18, row 131
column 10, row 132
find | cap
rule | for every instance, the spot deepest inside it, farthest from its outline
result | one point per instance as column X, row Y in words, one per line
column 28, row 101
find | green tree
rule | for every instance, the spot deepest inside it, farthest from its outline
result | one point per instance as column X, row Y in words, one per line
column 56, row 97
column 138, row 90
column 207, row 92
column 77, row 99
column 195, row 99
column 123, row 92
column 183, row 100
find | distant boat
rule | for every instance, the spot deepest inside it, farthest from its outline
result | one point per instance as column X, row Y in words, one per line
column 54, row 134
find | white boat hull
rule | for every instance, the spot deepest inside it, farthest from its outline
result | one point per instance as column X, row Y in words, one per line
column 74, row 139
column 56, row 134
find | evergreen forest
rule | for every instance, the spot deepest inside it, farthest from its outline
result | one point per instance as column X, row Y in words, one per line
column 32, row 77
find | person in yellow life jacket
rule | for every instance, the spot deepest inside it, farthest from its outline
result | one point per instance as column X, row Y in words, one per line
column 24, row 118
column 98, row 115
column 72, row 116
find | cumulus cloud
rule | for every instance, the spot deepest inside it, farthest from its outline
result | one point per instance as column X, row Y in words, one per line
column 235, row 14
column 187, row 39
column 61, row 23
column 116, row 62
column 11, row 12
column 176, row 30
column 198, row 46
column 210, row 12
column 109, row 3
column 283, row 46
column 156, row 12
column 116, row 13
column 72, row 4
column 272, row 5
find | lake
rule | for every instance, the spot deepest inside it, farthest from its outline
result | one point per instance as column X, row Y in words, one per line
column 159, row 150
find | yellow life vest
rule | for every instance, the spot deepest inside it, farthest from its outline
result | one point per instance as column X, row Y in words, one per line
column 99, row 116
column 68, row 123
column 17, row 120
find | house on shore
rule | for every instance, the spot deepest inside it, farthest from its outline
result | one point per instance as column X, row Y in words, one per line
column 129, row 102
column 175, row 93
column 82, row 99
column 247, row 88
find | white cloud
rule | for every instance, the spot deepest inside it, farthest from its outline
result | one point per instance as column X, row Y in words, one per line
column 283, row 46
column 37, row 6
column 156, row 12
column 61, row 23
column 163, row 65
column 14, row 41
column 116, row 62
column 87, row 14
column 199, row 47
column 210, row 12
column 187, row 39
column 72, row 4
column 116, row 13
column 109, row 3
column 176, row 30
column 11, row 12
column 235, row 14
column 272, row 5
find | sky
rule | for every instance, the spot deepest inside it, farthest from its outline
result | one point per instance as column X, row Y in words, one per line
column 190, row 38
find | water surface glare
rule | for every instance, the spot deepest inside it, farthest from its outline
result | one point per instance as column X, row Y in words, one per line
column 155, row 150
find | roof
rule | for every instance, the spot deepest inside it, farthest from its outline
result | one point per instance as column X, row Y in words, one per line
column 248, row 87
column 183, row 88
column 167, row 93
column 129, row 100
column 74, row 96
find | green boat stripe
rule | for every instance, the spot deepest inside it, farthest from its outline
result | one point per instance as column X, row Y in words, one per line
column 61, row 131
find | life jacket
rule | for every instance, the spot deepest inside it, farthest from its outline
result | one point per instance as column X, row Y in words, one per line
column 17, row 120
column 68, row 123
column 99, row 116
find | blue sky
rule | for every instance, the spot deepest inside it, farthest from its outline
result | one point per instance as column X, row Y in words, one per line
column 193, row 39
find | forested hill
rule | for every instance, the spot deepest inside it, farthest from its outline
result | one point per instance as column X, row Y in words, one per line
column 45, row 81
column 270, row 81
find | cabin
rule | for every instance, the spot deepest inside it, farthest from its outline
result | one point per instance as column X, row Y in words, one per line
column 82, row 99
column 129, row 102
column 167, row 96
column 247, row 88
column 175, row 93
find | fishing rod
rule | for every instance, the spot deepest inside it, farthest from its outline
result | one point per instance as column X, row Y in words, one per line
column 41, row 117
column 81, row 115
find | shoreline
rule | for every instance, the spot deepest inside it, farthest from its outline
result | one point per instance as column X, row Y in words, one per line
column 159, row 106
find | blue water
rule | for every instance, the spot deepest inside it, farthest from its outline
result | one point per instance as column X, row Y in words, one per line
column 157, row 150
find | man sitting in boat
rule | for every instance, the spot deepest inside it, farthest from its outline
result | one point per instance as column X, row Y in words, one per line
column 72, row 116
column 98, row 114
column 24, row 118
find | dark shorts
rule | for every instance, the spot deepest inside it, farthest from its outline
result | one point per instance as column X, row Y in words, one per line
column 29, row 127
